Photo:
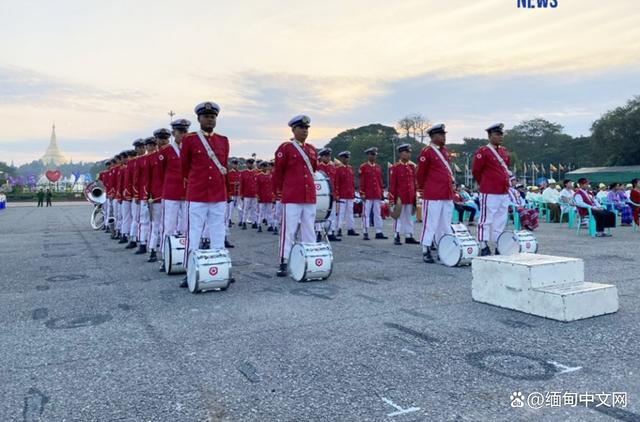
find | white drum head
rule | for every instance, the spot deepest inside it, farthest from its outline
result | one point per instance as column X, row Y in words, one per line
column 297, row 262
column 192, row 273
column 449, row 251
column 508, row 243
column 166, row 254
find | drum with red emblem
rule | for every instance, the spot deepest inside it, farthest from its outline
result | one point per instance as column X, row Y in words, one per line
column 519, row 241
column 208, row 269
column 310, row 261
column 174, row 254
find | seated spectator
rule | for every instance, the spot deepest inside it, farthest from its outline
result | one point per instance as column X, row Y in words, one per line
column 461, row 206
column 533, row 196
column 627, row 191
column 584, row 200
column 616, row 199
column 566, row 197
column 550, row 197
column 634, row 200
column 601, row 196
column 528, row 216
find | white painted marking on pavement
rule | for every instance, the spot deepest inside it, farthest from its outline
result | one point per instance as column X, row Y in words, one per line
column 400, row 410
column 564, row 369
column 409, row 351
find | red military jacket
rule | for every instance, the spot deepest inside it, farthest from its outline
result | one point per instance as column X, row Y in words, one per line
column 292, row 178
column 141, row 167
column 402, row 182
column 433, row 178
column 330, row 170
column 133, row 166
column 345, row 184
column 127, row 181
column 205, row 182
column 370, row 181
column 171, row 167
column 111, row 186
column 248, row 183
column 489, row 173
column 233, row 182
column 119, row 179
column 154, row 177
column 265, row 187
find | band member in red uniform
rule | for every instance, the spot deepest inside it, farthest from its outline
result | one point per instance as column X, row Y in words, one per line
column 127, row 197
column 143, row 207
column 204, row 156
column 371, row 193
column 402, row 184
column 249, row 194
column 435, row 178
column 233, row 186
column 155, row 187
column 119, row 184
column 295, row 165
column 326, row 166
column 265, row 196
column 103, row 177
column 490, row 168
column 134, row 184
column 585, row 201
column 345, row 194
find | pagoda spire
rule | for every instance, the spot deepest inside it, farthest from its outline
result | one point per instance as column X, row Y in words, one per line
column 53, row 155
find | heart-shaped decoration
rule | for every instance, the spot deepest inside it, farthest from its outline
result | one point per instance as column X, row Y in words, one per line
column 53, row 175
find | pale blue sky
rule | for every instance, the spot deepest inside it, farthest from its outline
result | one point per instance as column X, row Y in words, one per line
column 108, row 72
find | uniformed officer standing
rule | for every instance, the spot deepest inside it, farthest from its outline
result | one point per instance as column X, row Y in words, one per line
column 326, row 166
column 127, row 197
column 134, row 183
column 490, row 168
column 143, row 180
column 265, row 196
column 204, row 156
column 371, row 192
column 295, row 165
column 155, row 189
column 402, row 184
column 249, row 194
column 119, row 186
column 345, row 194
column 233, row 186
column 435, row 183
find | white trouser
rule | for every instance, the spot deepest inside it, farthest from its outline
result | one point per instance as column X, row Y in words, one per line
column 372, row 204
column 126, row 217
column 345, row 213
column 172, row 215
column 333, row 218
column 211, row 215
column 145, row 223
column 118, row 209
column 234, row 207
column 404, row 223
column 277, row 213
column 294, row 215
column 156, row 224
column 265, row 210
column 493, row 216
column 249, row 208
column 436, row 220
column 107, row 211
column 135, row 218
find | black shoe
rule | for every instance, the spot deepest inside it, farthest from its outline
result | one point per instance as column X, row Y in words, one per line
column 143, row 250
column 411, row 241
column 264, row 221
column 153, row 257
column 184, row 283
column 270, row 229
column 352, row 233
column 381, row 236
column 254, row 226
column 232, row 280
column 162, row 269
column 124, row 239
column 318, row 238
column 230, row 224
column 396, row 240
column 131, row 245
column 118, row 236
column 485, row 251
column 426, row 257
column 333, row 238
column 260, row 229
column 282, row 270
column 339, row 234
column 275, row 231
column 365, row 236
column 244, row 226
column 227, row 244
column 497, row 252
column 433, row 247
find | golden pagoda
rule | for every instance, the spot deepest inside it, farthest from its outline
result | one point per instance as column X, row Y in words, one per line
column 53, row 156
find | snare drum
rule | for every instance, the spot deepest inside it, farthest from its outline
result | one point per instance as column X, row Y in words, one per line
column 208, row 269
column 324, row 197
column 457, row 249
column 310, row 261
column 521, row 241
column 174, row 254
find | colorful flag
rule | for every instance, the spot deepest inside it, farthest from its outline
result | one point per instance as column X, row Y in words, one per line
column 456, row 168
column 524, row 168
column 561, row 167
column 542, row 168
column 535, row 168
column 553, row 168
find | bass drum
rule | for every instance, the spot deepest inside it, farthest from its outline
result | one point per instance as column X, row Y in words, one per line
column 455, row 250
column 310, row 261
column 324, row 196
column 208, row 269
column 520, row 241
column 173, row 254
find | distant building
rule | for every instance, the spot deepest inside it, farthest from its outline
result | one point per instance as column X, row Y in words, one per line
column 53, row 157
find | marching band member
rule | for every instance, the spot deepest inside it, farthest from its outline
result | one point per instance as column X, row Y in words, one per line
column 326, row 166
column 127, row 197
column 155, row 187
column 132, row 170
column 295, row 165
column 143, row 207
column 111, row 194
column 119, row 183
column 434, row 180
column 204, row 156
column 490, row 168
column 345, row 194
column 249, row 194
column 265, row 196
column 402, row 184
column 103, row 177
column 233, row 182
column 371, row 193
column 277, row 208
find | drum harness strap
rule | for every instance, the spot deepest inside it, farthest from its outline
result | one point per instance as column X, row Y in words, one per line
column 304, row 155
column 500, row 160
column 177, row 149
column 445, row 162
column 210, row 153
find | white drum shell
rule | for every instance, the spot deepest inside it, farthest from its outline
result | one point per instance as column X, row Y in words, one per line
column 310, row 261
column 324, row 197
column 513, row 242
column 208, row 270
column 457, row 249
column 174, row 254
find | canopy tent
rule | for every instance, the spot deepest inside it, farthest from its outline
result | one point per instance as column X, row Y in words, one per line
column 607, row 175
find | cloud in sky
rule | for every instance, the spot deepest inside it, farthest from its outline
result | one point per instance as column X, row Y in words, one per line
column 107, row 72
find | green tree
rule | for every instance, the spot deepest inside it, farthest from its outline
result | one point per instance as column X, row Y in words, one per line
column 616, row 135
